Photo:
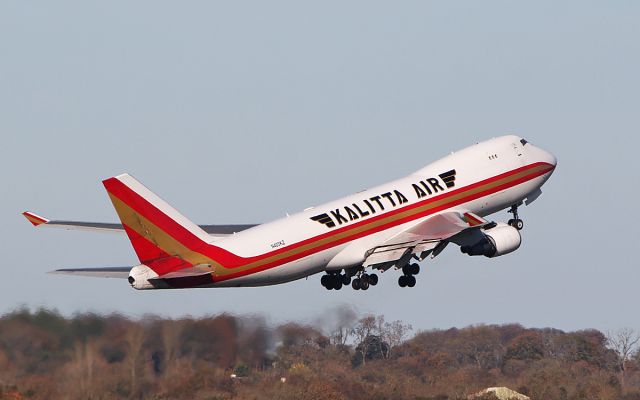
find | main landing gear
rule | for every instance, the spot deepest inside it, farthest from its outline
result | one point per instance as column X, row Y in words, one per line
column 408, row 279
column 364, row 281
column 335, row 280
column 516, row 222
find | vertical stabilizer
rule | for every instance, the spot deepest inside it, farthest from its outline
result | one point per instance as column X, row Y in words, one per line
column 162, row 238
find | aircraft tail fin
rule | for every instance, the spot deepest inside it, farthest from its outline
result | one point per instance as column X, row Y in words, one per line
column 162, row 238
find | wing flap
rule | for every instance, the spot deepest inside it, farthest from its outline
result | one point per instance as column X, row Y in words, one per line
column 424, row 237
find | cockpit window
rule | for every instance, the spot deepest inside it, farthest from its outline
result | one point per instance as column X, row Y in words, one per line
column 523, row 141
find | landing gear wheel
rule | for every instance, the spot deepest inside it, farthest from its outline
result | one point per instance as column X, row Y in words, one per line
column 324, row 281
column 337, row 285
column 402, row 281
column 355, row 284
column 411, row 281
column 414, row 269
column 516, row 222
column 346, row 280
column 373, row 279
column 364, row 285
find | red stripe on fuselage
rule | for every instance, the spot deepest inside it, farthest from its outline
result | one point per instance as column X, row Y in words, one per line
column 230, row 260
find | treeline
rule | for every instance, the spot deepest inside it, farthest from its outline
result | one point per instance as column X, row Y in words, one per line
column 44, row 355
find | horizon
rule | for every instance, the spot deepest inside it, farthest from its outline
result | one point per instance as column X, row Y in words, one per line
column 317, row 322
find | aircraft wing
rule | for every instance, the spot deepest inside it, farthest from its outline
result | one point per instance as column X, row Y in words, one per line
column 39, row 221
column 427, row 237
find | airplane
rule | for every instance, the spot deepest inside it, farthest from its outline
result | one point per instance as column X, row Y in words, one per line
column 394, row 225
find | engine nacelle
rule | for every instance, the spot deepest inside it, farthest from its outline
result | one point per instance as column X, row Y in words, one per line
column 139, row 277
column 498, row 241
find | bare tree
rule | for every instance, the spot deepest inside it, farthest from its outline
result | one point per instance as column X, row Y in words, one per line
column 624, row 343
column 340, row 335
column 366, row 326
column 338, row 323
column 171, row 331
column 80, row 369
column 90, row 363
column 134, row 338
column 394, row 333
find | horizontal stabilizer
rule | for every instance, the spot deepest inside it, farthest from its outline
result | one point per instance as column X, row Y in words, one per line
column 103, row 272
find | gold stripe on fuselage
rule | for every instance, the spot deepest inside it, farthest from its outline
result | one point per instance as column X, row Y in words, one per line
column 173, row 247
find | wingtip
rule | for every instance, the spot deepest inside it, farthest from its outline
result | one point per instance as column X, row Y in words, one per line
column 35, row 219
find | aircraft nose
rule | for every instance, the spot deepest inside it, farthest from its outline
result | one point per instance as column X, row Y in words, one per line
column 550, row 158
column 538, row 154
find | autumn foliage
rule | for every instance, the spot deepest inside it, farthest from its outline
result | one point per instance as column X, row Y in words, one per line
column 44, row 355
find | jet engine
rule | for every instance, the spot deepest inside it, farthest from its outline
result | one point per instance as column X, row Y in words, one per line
column 497, row 241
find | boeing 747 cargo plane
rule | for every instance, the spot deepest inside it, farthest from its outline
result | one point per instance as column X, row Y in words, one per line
column 348, row 240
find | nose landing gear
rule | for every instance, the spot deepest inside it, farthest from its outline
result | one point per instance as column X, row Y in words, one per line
column 516, row 222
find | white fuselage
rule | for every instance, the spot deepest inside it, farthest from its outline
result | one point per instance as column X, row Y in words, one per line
column 474, row 164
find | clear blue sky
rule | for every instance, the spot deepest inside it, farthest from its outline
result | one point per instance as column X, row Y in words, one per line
column 244, row 111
